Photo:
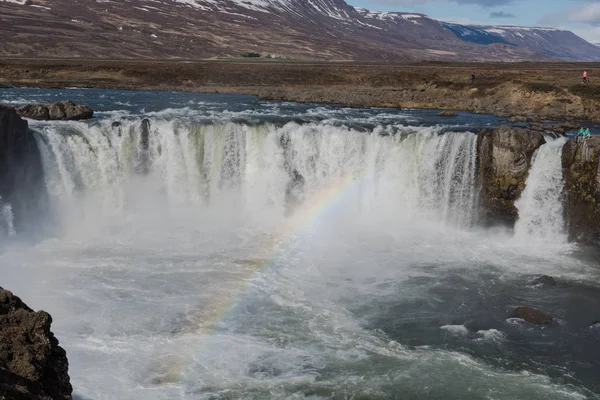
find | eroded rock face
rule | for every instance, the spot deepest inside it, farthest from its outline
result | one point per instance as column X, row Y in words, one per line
column 504, row 159
column 581, row 169
column 32, row 364
column 532, row 316
column 60, row 111
column 21, row 172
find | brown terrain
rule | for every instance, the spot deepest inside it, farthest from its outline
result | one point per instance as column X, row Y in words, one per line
column 290, row 29
column 528, row 90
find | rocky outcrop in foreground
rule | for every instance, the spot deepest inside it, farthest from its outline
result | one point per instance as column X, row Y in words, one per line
column 32, row 364
column 504, row 159
column 581, row 170
column 21, row 172
column 60, row 111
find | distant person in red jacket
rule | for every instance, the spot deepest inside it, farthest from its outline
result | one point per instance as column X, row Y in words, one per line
column 585, row 79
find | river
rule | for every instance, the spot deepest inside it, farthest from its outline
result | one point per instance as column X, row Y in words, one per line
column 212, row 246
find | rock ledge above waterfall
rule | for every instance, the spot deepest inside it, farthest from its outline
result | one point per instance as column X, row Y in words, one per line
column 59, row 111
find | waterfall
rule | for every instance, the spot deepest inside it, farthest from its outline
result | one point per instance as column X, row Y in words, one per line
column 416, row 171
column 6, row 219
column 541, row 206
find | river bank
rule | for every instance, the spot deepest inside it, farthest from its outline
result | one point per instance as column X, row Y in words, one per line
column 532, row 91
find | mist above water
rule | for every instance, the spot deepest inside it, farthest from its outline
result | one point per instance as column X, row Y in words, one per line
column 239, row 249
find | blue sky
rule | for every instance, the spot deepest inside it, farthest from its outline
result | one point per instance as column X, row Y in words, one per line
column 579, row 16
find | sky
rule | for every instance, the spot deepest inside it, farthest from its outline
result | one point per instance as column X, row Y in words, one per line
column 580, row 16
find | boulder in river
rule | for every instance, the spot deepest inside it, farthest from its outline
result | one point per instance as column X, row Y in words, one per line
column 446, row 113
column 544, row 280
column 504, row 159
column 581, row 170
column 532, row 316
column 32, row 364
column 59, row 111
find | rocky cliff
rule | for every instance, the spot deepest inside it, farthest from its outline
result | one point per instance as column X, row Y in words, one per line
column 32, row 364
column 581, row 169
column 22, row 184
column 504, row 159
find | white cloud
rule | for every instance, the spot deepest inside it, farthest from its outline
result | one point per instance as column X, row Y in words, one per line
column 589, row 14
column 583, row 21
column 502, row 14
column 591, row 34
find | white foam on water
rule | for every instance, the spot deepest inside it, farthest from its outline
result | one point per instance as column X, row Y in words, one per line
column 170, row 276
column 492, row 335
column 460, row 330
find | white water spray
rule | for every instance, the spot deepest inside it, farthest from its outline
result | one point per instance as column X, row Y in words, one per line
column 6, row 218
column 541, row 206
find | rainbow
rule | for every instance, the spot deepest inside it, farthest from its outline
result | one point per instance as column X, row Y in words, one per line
column 304, row 217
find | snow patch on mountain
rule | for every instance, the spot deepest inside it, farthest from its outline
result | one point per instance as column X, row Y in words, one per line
column 505, row 28
column 390, row 16
column 475, row 34
column 196, row 4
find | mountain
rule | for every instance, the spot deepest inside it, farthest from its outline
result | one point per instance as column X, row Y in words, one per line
column 552, row 42
column 295, row 29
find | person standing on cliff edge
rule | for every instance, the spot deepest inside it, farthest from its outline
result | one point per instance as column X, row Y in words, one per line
column 585, row 79
column 583, row 134
column 580, row 135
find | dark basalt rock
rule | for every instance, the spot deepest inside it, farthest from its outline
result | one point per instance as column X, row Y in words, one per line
column 532, row 316
column 34, row 111
column 504, row 160
column 581, row 170
column 145, row 136
column 143, row 158
column 60, row 111
column 32, row 364
column 446, row 114
column 21, row 172
column 544, row 280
